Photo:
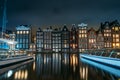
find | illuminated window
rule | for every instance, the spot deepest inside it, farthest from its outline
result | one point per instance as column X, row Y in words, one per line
column 85, row 35
column 113, row 28
column 105, row 45
column 113, row 40
column 117, row 35
column 80, row 35
column 107, row 34
column 20, row 32
column 117, row 44
column 27, row 32
column 65, row 45
column 108, row 45
column 23, row 32
column 104, row 34
column 80, row 31
column 113, row 44
column 17, row 32
column 117, row 40
column 116, row 29
column 30, row 46
column 113, row 35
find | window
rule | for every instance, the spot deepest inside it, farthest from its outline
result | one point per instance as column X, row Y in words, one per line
column 80, row 31
column 107, row 34
column 113, row 35
column 117, row 40
column 82, row 35
column 113, row 40
column 85, row 35
column 113, row 28
column 104, row 34
column 17, row 32
column 117, row 44
column 117, row 35
column 113, row 44
column 79, row 35
column 30, row 46
column 20, row 32
column 27, row 32
column 23, row 32
column 116, row 29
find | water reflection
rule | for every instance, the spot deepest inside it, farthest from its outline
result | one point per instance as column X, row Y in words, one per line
column 21, row 75
column 58, row 66
column 84, row 73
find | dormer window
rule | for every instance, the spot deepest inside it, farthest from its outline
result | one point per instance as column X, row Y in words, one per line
column 116, row 29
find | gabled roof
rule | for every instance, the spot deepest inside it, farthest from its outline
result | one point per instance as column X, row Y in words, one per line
column 91, row 29
column 23, row 27
column 73, row 28
column 109, row 25
column 65, row 28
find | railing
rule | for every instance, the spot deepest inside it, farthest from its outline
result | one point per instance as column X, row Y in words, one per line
column 5, row 54
column 113, row 53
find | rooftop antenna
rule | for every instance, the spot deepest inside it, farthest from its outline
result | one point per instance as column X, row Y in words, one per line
column 4, row 20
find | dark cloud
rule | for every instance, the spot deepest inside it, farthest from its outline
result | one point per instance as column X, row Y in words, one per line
column 49, row 12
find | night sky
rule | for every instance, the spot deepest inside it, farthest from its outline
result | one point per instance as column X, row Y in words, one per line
column 42, row 13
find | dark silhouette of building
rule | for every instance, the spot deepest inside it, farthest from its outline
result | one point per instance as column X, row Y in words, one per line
column 74, row 39
column 65, row 36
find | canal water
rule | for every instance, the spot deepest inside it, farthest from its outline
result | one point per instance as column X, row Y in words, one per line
column 57, row 67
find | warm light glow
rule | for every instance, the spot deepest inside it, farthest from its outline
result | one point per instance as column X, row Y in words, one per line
column 85, row 35
column 113, row 44
column 34, row 46
column 24, row 32
column 17, row 32
column 117, row 44
column 82, row 35
column 27, row 32
column 84, row 73
column 113, row 28
column 116, row 29
column 26, row 74
column 107, row 34
column 30, row 46
column 73, row 60
column 117, row 35
column 92, row 40
column 79, row 35
column 113, row 35
column 80, row 31
column 20, row 32
column 34, row 66
column 21, row 75
column 16, row 75
column 117, row 40
column 74, row 46
column 104, row 34
column 65, row 45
